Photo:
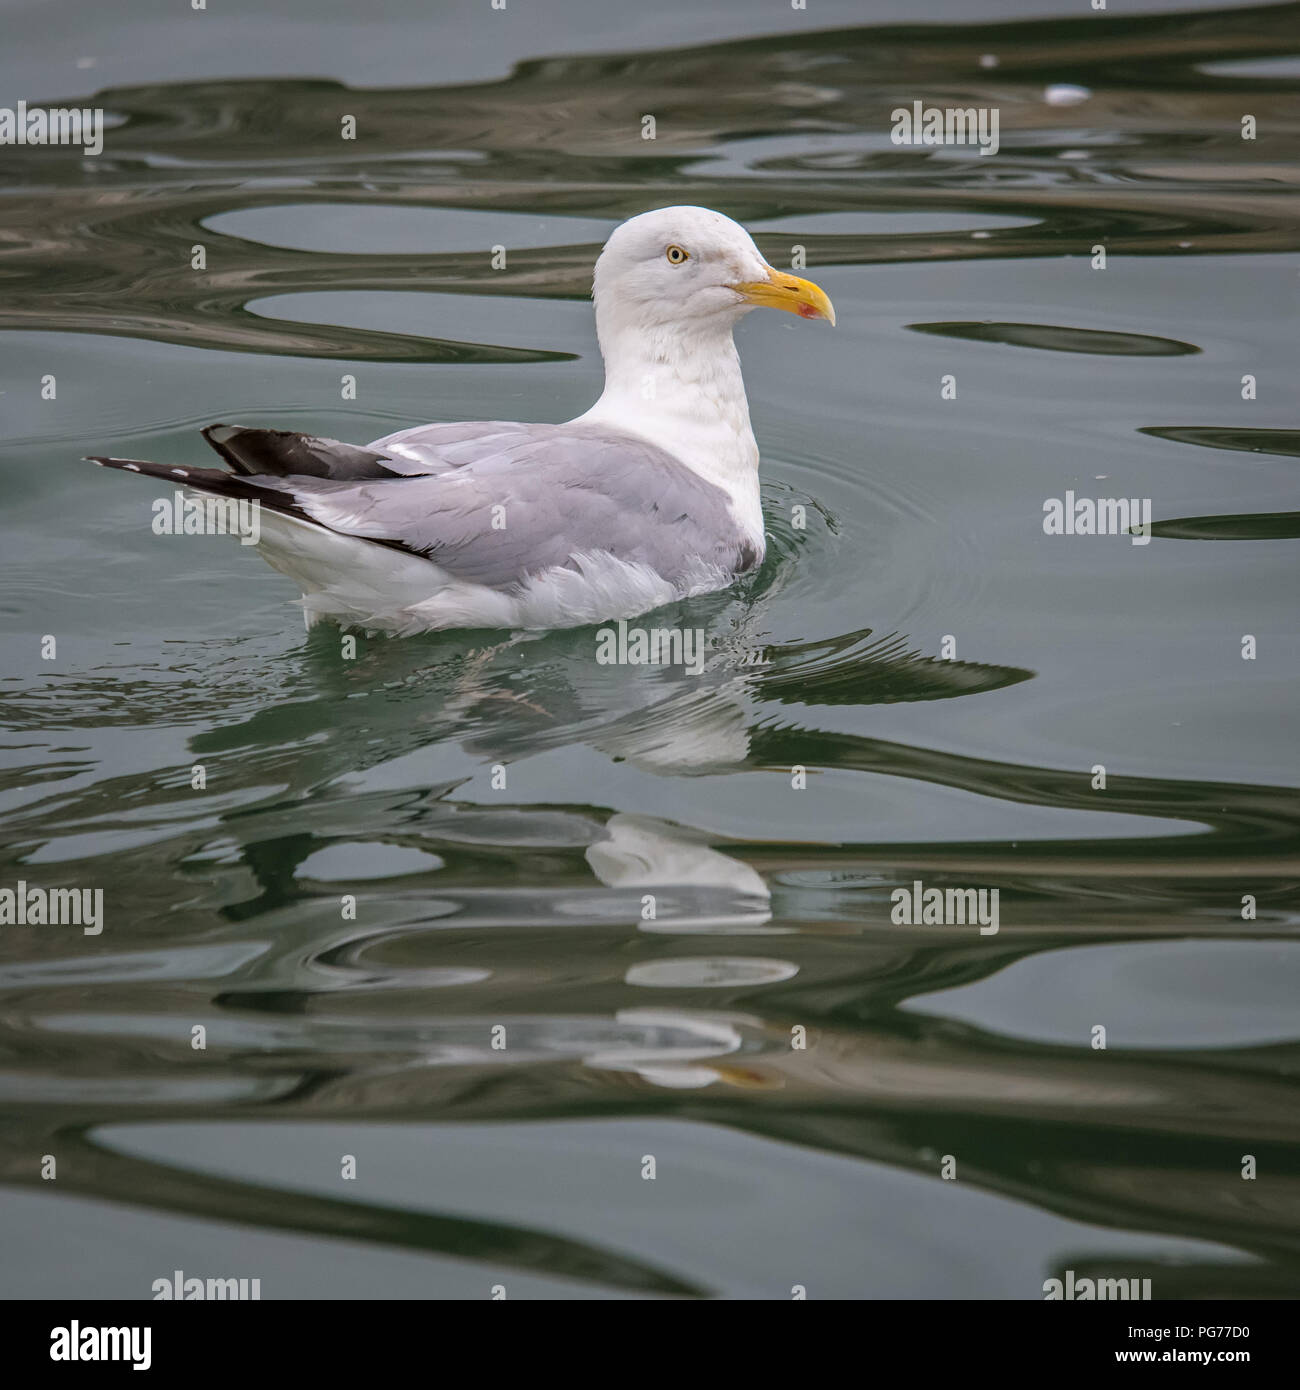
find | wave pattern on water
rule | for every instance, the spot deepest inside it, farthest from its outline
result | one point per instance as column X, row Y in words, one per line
column 112, row 253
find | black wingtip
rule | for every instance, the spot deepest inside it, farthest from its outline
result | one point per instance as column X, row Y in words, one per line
column 156, row 470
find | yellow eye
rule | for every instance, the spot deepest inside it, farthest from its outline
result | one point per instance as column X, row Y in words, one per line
column 676, row 255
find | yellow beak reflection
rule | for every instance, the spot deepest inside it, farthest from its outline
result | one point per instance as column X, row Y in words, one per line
column 789, row 292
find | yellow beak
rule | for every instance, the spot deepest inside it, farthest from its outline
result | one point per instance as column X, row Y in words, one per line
column 788, row 292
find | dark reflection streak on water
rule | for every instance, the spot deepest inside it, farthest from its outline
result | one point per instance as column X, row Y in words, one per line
column 1056, row 338
column 93, row 1170
column 1251, row 828
column 1283, row 442
column 1264, row 526
column 848, row 669
column 1169, row 1182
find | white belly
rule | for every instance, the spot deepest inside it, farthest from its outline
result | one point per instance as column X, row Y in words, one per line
column 359, row 584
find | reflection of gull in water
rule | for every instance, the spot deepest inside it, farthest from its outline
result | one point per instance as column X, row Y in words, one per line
column 692, row 732
column 676, row 1045
column 651, row 496
column 642, row 852
column 669, row 723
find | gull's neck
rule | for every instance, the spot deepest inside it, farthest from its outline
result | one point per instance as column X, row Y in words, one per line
column 680, row 387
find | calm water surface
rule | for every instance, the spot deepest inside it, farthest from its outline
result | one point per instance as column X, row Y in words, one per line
column 948, row 675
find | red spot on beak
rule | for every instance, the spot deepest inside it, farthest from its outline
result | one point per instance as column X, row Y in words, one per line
column 806, row 311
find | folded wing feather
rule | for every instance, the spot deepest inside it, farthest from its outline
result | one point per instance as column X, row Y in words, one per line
column 495, row 503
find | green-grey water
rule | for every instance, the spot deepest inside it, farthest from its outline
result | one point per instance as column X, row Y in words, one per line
column 921, row 684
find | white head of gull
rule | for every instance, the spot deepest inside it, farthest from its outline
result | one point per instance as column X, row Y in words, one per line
column 670, row 286
column 650, row 496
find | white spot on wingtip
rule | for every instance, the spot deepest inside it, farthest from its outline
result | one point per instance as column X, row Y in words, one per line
column 132, row 467
column 180, row 472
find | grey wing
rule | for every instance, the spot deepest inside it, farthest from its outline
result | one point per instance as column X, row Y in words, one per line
column 515, row 499
column 436, row 448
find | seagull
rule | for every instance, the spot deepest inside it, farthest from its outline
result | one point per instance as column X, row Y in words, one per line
column 650, row 496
